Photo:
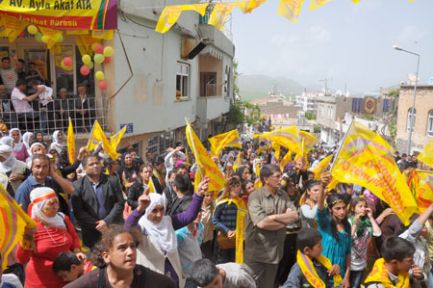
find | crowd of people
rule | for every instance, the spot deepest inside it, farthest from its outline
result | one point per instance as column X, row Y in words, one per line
column 147, row 222
column 28, row 102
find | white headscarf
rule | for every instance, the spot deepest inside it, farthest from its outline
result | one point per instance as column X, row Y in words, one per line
column 162, row 233
column 26, row 139
column 39, row 197
column 16, row 146
column 56, row 144
column 7, row 165
column 7, row 140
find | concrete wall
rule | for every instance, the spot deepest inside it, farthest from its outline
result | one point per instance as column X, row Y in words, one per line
column 424, row 104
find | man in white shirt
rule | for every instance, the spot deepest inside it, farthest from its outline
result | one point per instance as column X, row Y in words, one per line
column 8, row 74
column 46, row 104
column 19, row 99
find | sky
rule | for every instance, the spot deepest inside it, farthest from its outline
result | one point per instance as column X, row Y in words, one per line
column 348, row 44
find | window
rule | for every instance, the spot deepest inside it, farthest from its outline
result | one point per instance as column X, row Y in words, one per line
column 182, row 81
column 208, row 82
column 411, row 117
column 227, row 81
column 430, row 123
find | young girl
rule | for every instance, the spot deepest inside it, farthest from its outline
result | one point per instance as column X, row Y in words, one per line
column 335, row 230
column 363, row 227
column 308, row 203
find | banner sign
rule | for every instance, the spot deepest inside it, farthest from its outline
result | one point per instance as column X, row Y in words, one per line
column 65, row 15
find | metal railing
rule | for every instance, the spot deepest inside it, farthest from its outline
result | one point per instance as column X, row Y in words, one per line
column 55, row 115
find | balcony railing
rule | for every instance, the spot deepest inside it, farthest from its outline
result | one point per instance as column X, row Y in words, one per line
column 55, row 115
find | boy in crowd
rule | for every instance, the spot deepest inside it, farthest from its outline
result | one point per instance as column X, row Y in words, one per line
column 393, row 269
column 229, row 275
column 68, row 267
column 311, row 268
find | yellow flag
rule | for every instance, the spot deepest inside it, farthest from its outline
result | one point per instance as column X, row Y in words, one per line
column 421, row 184
column 321, row 167
column 309, row 140
column 204, row 162
column 277, row 150
column 249, row 5
column 426, row 155
column 221, row 141
column 366, row 159
column 316, row 4
column 13, row 221
column 290, row 9
column 171, row 14
column 238, row 162
column 286, row 137
column 70, row 140
column 151, row 185
column 97, row 136
column 220, row 14
column 116, row 138
column 197, row 179
column 286, row 159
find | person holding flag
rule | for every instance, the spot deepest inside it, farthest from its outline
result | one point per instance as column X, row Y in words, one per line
column 144, row 182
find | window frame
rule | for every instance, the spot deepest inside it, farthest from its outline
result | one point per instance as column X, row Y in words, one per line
column 429, row 128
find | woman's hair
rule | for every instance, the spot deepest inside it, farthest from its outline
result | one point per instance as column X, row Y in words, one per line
column 311, row 184
column 355, row 201
column 106, row 242
column 332, row 199
column 227, row 187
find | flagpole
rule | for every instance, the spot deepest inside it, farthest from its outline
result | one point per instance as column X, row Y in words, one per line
column 341, row 145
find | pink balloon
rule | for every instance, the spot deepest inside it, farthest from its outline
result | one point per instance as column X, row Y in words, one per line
column 99, row 49
column 102, row 85
column 68, row 61
column 107, row 60
column 84, row 70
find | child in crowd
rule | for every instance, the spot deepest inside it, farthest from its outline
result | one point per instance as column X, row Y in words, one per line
column 68, row 267
column 363, row 227
column 311, row 268
column 393, row 269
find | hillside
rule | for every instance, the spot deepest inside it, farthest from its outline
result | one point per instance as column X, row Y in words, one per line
column 257, row 86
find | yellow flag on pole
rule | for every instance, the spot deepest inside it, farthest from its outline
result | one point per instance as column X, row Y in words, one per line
column 97, row 135
column 426, row 155
column 116, row 138
column 316, row 4
column 367, row 159
column 171, row 14
column 13, row 221
column 286, row 137
column 221, row 141
column 249, row 5
column 204, row 162
column 321, row 167
column 290, row 9
column 70, row 140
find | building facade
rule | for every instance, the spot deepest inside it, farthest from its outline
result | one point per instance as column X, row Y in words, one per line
column 422, row 116
column 154, row 81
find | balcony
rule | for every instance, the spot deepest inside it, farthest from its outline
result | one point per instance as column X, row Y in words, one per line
column 55, row 115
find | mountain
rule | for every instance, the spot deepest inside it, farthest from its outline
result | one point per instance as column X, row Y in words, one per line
column 258, row 86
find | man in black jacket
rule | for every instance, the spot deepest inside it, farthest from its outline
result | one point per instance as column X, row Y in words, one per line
column 97, row 201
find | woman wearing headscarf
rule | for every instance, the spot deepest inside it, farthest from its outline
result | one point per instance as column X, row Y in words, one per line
column 14, row 170
column 59, row 144
column 158, row 250
column 28, row 138
column 19, row 150
column 54, row 234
